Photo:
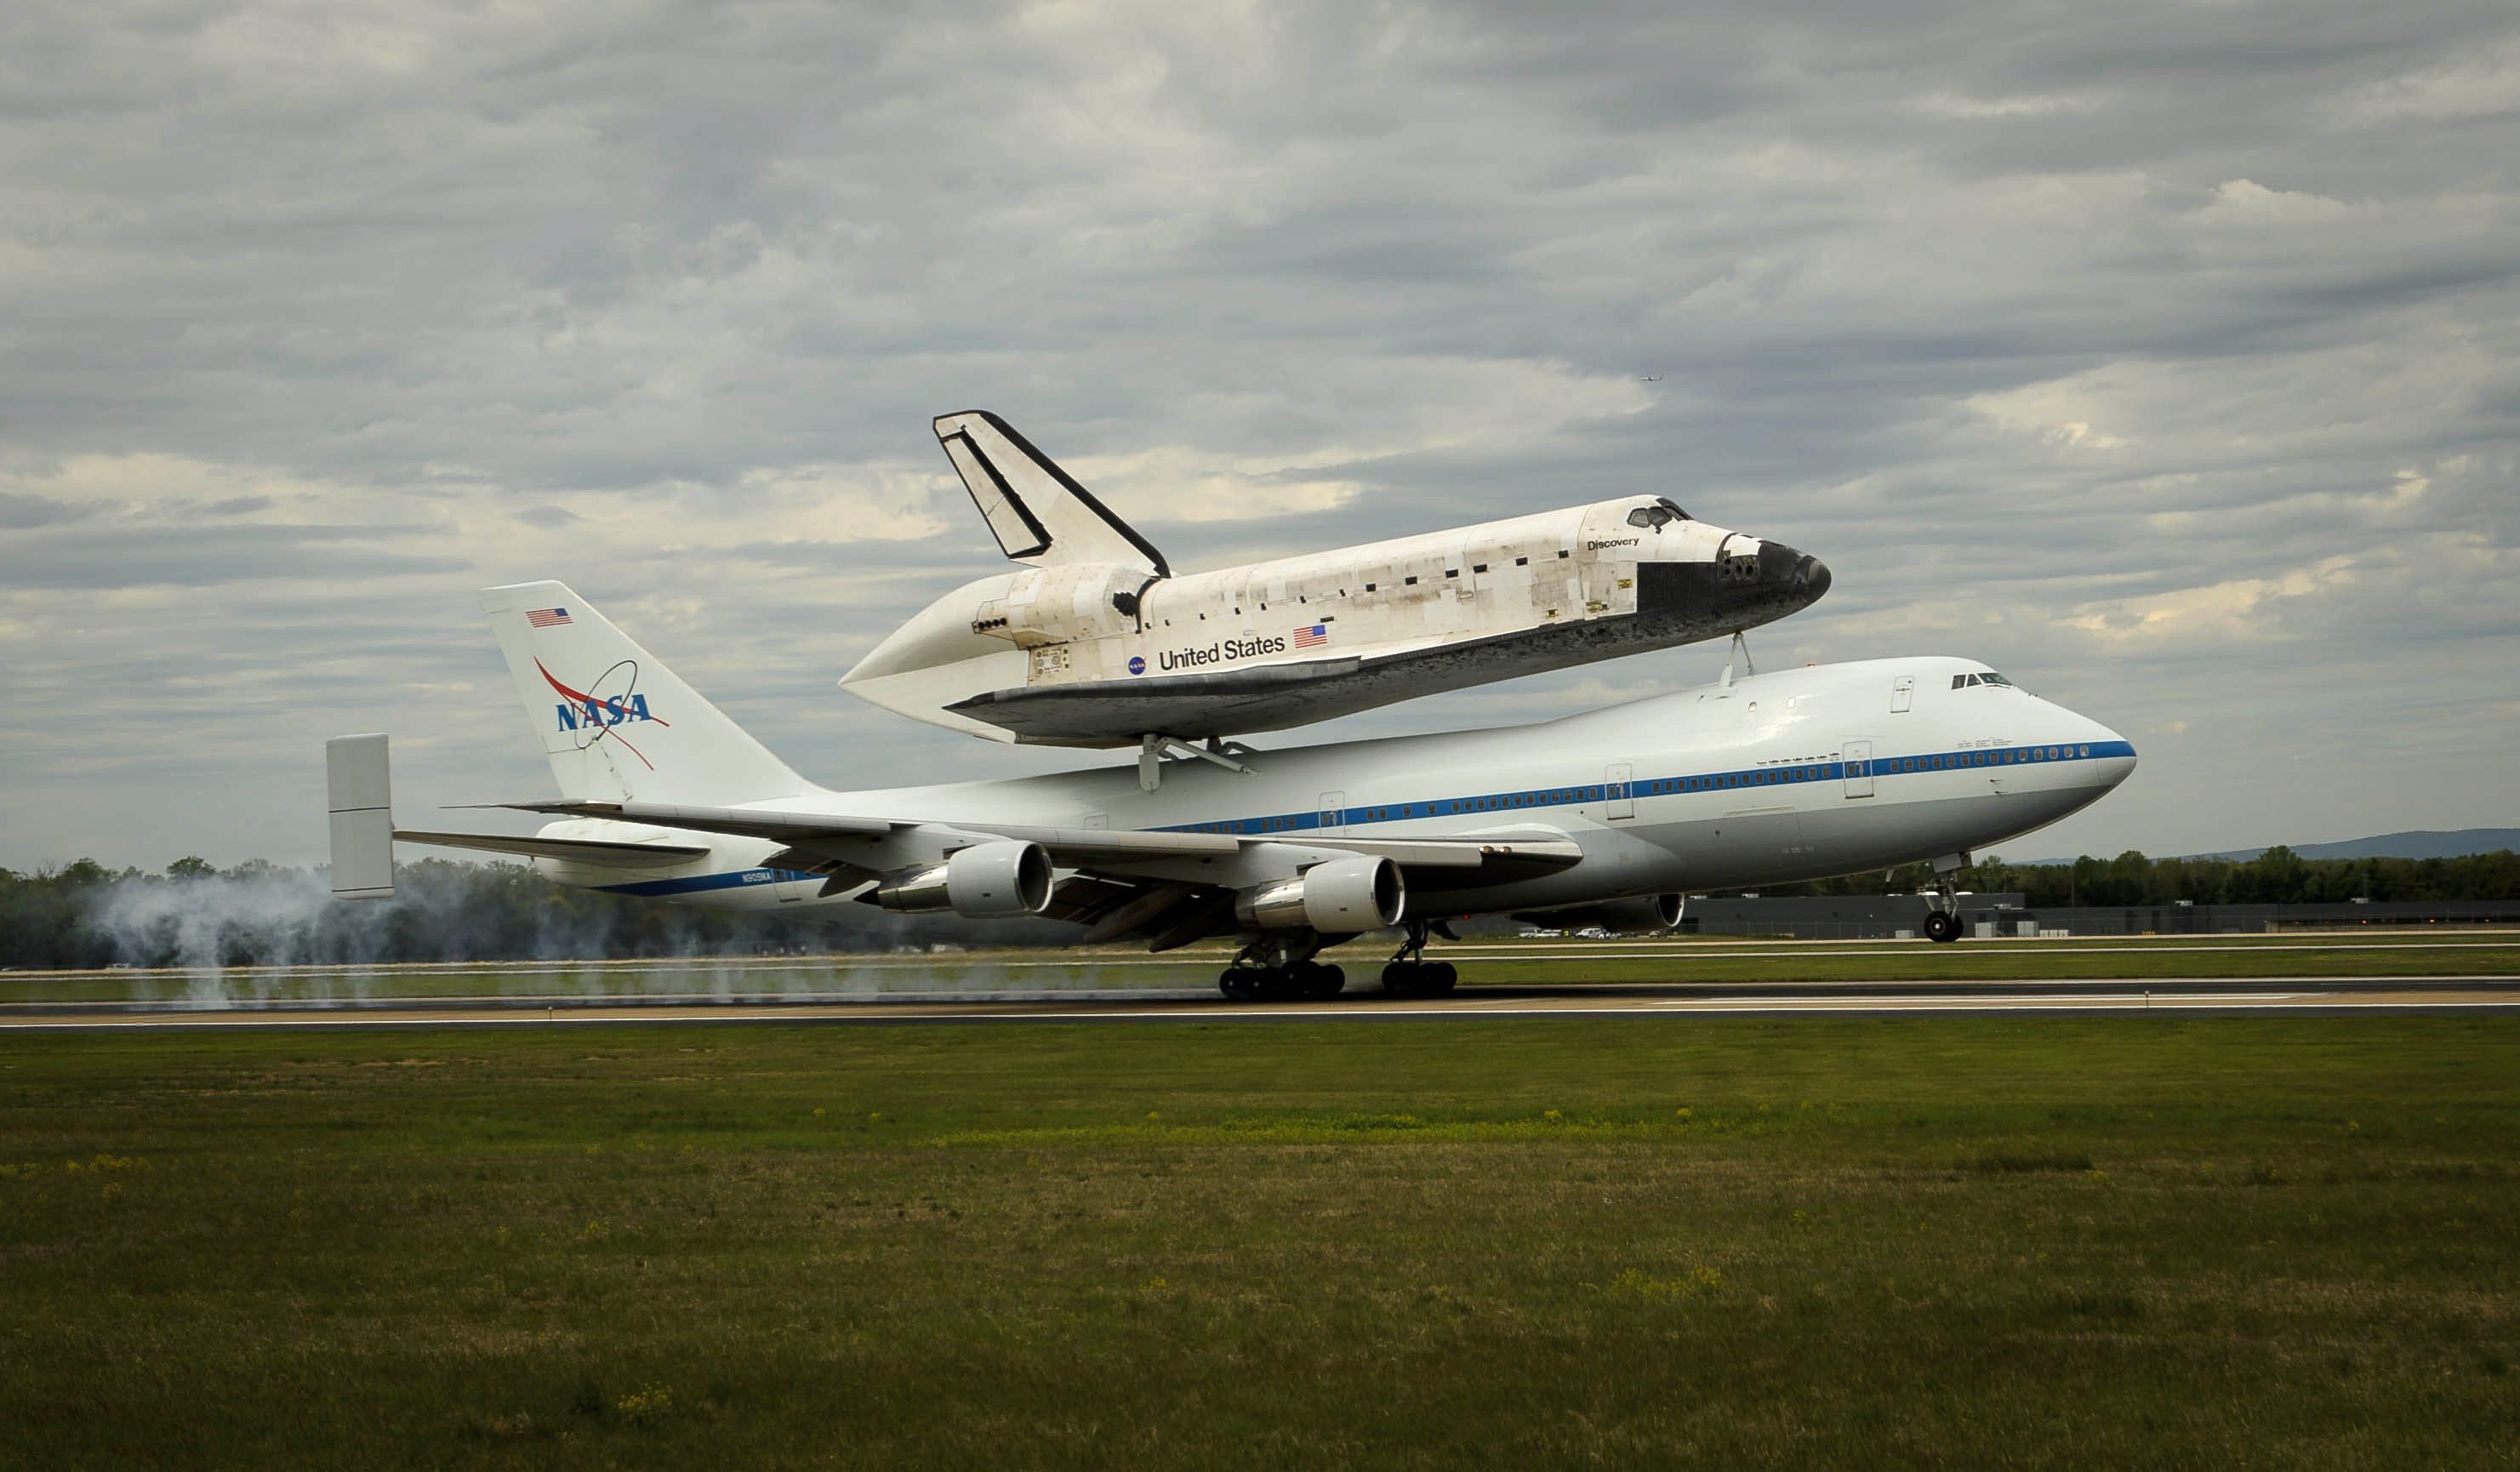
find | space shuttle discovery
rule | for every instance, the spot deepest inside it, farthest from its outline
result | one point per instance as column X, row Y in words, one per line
column 1095, row 642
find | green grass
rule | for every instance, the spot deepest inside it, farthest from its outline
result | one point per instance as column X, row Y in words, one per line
column 1948, row 1241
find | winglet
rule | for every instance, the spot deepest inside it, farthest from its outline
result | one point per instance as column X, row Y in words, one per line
column 1037, row 511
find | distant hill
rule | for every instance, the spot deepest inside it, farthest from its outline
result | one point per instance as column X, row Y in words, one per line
column 2421, row 843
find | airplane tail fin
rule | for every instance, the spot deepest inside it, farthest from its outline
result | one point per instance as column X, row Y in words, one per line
column 616, row 724
column 1038, row 512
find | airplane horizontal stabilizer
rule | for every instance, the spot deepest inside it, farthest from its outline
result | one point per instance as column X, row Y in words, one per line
column 573, row 850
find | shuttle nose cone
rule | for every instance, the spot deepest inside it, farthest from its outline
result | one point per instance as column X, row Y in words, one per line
column 1796, row 574
column 1814, row 577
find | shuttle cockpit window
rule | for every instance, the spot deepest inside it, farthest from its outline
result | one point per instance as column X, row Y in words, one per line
column 1658, row 515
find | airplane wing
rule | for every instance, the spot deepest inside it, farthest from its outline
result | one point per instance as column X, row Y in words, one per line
column 1113, row 849
column 1126, row 881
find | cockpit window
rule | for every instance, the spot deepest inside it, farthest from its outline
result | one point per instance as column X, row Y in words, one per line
column 1988, row 676
column 1658, row 515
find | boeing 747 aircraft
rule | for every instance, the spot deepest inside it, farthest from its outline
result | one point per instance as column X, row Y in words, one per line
column 1602, row 818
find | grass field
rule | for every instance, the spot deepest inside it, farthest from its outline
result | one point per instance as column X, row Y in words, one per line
column 2215, row 957
column 1951, row 1241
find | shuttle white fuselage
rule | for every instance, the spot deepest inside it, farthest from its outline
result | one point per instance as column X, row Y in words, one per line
column 1095, row 643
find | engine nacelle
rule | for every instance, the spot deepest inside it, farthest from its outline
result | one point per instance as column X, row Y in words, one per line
column 987, row 881
column 1643, row 914
column 1343, row 897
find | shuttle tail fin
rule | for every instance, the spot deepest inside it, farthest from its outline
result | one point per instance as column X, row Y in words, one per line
column 616, row 724
column 1038, row 512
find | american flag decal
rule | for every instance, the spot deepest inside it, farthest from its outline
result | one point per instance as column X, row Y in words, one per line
column 1313, row 638
column 546, row 618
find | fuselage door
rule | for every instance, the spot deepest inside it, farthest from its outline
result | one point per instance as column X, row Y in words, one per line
column 1334, row 812
column 1859, row 769
column 1903, row 692
column 1618, row 794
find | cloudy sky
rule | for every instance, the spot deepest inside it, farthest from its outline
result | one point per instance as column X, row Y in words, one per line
column 2167, row 357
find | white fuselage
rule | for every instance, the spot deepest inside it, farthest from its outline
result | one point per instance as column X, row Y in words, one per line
column 1800, row 774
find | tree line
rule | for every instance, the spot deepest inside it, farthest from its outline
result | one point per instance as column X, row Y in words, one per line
column 2277, row 876
column 83, row 915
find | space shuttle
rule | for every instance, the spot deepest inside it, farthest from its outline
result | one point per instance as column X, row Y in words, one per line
column 1095, row 642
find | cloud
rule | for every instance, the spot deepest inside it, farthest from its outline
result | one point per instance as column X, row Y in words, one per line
column 2161, row 356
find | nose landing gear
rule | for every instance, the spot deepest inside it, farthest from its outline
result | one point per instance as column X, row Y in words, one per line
column 1943, row 911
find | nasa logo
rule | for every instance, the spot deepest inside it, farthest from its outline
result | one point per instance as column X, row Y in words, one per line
column 591, row 717
column 1137, row 664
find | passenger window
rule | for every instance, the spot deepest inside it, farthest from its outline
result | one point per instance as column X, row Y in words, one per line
column 1522, row 561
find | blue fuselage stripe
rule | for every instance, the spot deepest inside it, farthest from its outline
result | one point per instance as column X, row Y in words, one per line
column 742, row 880
column 1775, row 774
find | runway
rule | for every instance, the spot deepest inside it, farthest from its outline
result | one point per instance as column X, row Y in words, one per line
column 2206, row 995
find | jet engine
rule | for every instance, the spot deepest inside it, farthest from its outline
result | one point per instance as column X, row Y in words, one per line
column 1343, row 897
column 1643, row 914
column 986, row 881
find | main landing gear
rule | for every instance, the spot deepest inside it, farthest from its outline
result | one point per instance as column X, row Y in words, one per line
column 1411, row 974
column 1271, row 970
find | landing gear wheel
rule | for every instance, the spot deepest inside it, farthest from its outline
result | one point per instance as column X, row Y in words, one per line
column 1942, row 926
column 1321, row 981
column 1250, row 983
column 1444, row 977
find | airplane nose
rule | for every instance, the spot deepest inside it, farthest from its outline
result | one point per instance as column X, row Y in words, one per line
column 2112, row 756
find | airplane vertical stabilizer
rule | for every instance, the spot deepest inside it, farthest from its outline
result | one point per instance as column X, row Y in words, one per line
column 1038, row 512
column 616, row 724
